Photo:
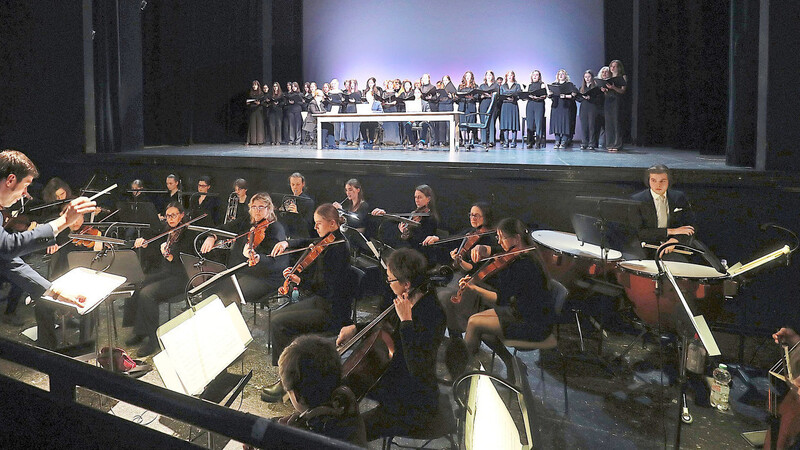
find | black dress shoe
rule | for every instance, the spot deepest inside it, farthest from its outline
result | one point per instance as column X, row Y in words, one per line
column 273, row 393
column 135, row 340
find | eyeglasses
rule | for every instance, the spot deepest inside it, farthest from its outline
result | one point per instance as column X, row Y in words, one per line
column 172, row 216
column 391, row 281
column 477, row 216
column 258, row 208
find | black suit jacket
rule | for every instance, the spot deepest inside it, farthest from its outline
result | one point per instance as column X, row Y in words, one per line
column 680, row 214
column 15, row 245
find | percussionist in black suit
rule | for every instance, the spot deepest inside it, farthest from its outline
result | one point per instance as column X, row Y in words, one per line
column 665, row 214
column 16, row 173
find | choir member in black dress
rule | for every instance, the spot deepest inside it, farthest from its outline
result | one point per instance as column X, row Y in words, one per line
column 265, row 275
column 604, row 74
column 509, row 114
column 407, row 393
column 355, row 207
column 534, row 112
column 141, row 310
column 335, row 102
column 200, row 203
column 560, row 110
column 523, row 303
column 490, row 85
column 612, row 106
column 297, row 211
column 447, row 92
column 591, row 105
column 275, row 114
column 369, row 130
column 255, row 120
column 405, row 235
column 468, row 106
column 326, row 288
column 294, row 109
column 265, row 105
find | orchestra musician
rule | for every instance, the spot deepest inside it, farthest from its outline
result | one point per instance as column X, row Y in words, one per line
column 407, row 392
column 522, row 302
column 241, row 200
column 412, row 236
column 354, row 204
column 264, row 274
column 17, row 172
column 297, row 212
column 141, row 310
column 201, row 203
column 325, row 285
column 665, row 215
column 173, row 184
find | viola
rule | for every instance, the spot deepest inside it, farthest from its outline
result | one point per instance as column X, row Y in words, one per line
column 493, row 265
column 254, row 238
column 467, row 243
column 16, row 223
column 311, row 254
column 415, row 218
column 173, row 236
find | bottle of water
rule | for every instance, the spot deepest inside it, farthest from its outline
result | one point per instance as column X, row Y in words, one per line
column 720, row 388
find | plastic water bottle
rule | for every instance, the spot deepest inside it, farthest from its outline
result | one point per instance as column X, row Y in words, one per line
column 720, row 388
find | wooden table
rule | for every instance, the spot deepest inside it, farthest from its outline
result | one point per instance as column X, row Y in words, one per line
column 430, row 116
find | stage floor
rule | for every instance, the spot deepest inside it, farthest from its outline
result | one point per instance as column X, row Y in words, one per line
column 630, row 157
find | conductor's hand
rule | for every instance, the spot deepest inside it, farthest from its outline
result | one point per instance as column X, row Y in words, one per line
column 403, row 307
column 430, row 240
column 345, row 334
column 786, row 336
column 279, row 248
column 208, row 244
column 287, row 273
column 686, row 229
column 378, row 212
column 77, row 208
column 139, row 243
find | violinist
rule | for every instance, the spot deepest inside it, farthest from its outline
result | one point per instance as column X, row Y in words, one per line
column 64, row 245
column 264, row 275
column 325, row 288
column 141, row 310
column 409, row 235
column 522, row 304
column 54, row 190
column 407, row 391
column 355, row 205
column 297, row 212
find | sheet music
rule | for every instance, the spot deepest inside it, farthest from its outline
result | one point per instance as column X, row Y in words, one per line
column 166, row 370
column 216, row 337
column 238, row 323
column 180, row 343
column 93, row 285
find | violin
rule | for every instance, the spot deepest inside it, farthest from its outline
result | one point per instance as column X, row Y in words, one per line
column 467, row 243
column 174, row 235
column 493, row 265
column 416, row 217
column 89, row 231
column 784, row 430
column 254, row 238
column 311, row 254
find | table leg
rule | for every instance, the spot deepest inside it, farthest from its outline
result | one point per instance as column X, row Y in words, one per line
column 319, row 134
column 452, row 133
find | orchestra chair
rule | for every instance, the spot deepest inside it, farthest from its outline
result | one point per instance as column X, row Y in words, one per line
column 560, row 294
column 443, row 426
column 490, row 115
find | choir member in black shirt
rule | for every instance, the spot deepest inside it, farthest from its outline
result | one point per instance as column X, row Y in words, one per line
column 534, row 112
column 369, row 129
column 490, row 85
column 523, row 303
column 509, row 113
column 335, row 102
column 308, row 95
column 391, row 130
column 446, row 92
column 351, row 129
column 141, row 310
column 297, row 211
column 275, row 114
column 604, row 74
column 467, row 106
column 591, row 106
column 265, row 105
column 611, row 107
column 560, row 110
column 294, row 108
column 255, row 127
column 200, row 204
column 407, row 393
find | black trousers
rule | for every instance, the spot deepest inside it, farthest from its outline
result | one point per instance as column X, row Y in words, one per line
column 142, row 308
column 310, row 315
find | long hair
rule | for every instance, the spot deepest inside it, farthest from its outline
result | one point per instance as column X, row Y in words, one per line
column 357, row 185
column 328, row 212
column 486, row 210
column 585, row 87
column 464, row 84
column 619, row 66
column 428, row 191
column 264, row 197
column 255, row 92
column 54, row 184
column 511, row 226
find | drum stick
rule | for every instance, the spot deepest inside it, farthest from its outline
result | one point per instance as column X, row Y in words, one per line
column 655, row 247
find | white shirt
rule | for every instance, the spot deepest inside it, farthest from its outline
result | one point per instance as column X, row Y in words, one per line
column 662, row 208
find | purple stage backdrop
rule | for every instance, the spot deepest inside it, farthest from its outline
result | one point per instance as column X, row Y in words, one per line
column 404, row 39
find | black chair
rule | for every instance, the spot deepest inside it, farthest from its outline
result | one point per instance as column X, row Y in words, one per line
column 442, row 426
column 490, row 115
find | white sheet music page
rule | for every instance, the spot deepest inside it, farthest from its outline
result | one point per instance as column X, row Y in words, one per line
column 217, row 337
column 181, row 346
column 80, row 281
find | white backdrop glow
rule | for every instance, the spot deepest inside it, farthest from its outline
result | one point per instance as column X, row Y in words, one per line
column 403, row 39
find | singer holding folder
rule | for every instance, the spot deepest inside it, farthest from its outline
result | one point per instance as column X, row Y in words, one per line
column 17, row 172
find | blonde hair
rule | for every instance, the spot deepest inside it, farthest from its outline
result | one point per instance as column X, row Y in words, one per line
column 264, row 197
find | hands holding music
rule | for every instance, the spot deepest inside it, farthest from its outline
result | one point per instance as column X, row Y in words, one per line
column 403, row 306
column 786, row 336
column 139, row 243
column 345, row 334
column 208, row 244
column 430, row 240
column 255, row 256
column 287, row 273
column 291, row 207
column 279, row 248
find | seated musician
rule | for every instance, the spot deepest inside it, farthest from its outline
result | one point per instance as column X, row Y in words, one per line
column 64, row 245
column 523, row 304
column 200, row 203
column 311, row 373
column 264, row 274
column 665, row 214
column 316, row 106
column 296, row 213
column 141, row 310
column 242, row 200
column 407, row 391
column 325, row 286
column 465, row 258
column 406, row 235
column 355, row 205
